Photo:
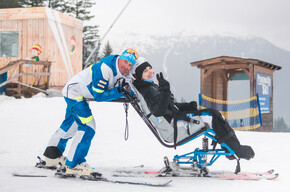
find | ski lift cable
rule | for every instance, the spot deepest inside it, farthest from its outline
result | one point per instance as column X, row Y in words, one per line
column 87, row 62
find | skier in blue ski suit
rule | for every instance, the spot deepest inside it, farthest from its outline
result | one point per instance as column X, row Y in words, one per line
column 102, row 82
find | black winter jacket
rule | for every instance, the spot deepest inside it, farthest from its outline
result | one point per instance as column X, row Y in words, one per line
column 160, row 102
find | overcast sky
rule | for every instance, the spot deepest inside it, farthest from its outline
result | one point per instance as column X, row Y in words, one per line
column 269, row 19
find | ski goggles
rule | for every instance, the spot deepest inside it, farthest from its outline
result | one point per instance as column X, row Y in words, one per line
column 132, row 51
column 130, row 55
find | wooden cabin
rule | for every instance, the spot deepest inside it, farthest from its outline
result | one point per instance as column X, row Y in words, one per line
column 58, row 35
column 217, row 72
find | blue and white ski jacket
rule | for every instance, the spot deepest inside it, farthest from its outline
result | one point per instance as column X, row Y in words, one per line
column 99, row 81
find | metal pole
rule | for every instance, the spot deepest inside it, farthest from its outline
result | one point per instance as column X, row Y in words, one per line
column 87, row 62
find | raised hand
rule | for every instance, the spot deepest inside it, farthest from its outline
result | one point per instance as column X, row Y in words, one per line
column 163, row 84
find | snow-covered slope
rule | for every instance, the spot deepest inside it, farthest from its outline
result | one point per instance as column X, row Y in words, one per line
column 27, row 124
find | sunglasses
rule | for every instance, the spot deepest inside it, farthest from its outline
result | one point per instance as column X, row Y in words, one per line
column 132, row 51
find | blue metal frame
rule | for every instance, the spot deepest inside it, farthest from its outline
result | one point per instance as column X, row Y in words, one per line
column 196, row 158
column 199, row 157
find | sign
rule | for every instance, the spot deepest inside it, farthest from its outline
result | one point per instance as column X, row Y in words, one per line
column 264, row 89
column 264, row 104
column 264, row 84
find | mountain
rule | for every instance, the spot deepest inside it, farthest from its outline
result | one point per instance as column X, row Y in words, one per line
column 172, row 55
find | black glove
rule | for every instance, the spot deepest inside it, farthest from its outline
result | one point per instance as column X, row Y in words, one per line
column 193, row 105
column 126, row 87
column 163, row 84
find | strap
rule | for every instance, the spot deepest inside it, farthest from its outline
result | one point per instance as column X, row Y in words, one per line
column 177, row 115
column 126, row 135
column 214, row 144
column 182, row 116
column 188, row 128
column 149, row 115
column 175, row 132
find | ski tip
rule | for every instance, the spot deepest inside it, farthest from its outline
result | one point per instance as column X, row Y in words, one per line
column 168, row 182
column 27, row 175
column 160, row 184
column 276, row 175
column 271, row 171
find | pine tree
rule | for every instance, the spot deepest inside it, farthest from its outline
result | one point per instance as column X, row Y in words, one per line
column 81, row 10
column 58, row 5
column 9, row 4
column 91, row 36
column 107, row 50
column 280, row 125
column 31, row 3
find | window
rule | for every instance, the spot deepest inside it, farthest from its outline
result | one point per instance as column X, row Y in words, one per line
column 9, row 43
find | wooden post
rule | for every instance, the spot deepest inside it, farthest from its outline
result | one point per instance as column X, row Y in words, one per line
column 20, row 78
column 225, row 86
column 48, row 77
column 252, row 80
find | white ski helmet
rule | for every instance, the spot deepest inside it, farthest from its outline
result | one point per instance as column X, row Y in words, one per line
column 139, row 61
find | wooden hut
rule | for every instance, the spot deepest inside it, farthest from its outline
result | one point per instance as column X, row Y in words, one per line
column 58, row 35
column 217, row 72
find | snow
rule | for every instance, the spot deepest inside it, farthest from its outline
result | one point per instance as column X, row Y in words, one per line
column 27, row 124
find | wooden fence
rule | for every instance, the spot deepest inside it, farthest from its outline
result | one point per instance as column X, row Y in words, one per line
column 40, row 77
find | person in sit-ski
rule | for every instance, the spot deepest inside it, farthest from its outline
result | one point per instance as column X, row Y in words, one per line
column 159, row 100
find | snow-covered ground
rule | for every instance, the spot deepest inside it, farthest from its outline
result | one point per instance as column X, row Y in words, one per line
column 27, row 124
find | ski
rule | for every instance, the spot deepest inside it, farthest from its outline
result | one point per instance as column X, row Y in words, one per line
column 168, row 171
column 98, row 177
column 148, row 183
column 268, row 175
column 28, row 175
column 42, row 164
column 152, row 183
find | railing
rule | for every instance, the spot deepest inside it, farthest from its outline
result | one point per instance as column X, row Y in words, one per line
column 18, row 78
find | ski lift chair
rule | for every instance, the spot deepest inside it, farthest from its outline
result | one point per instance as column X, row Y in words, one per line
column 163, row 130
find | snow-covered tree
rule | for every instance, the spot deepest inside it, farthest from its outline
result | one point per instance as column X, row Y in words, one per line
column 58, row 5
column 31, row 3
column 9, row 4
column 280, row 125
column 108, row 50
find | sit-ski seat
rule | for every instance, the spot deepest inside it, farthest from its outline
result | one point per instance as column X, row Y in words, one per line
column 165, row 132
